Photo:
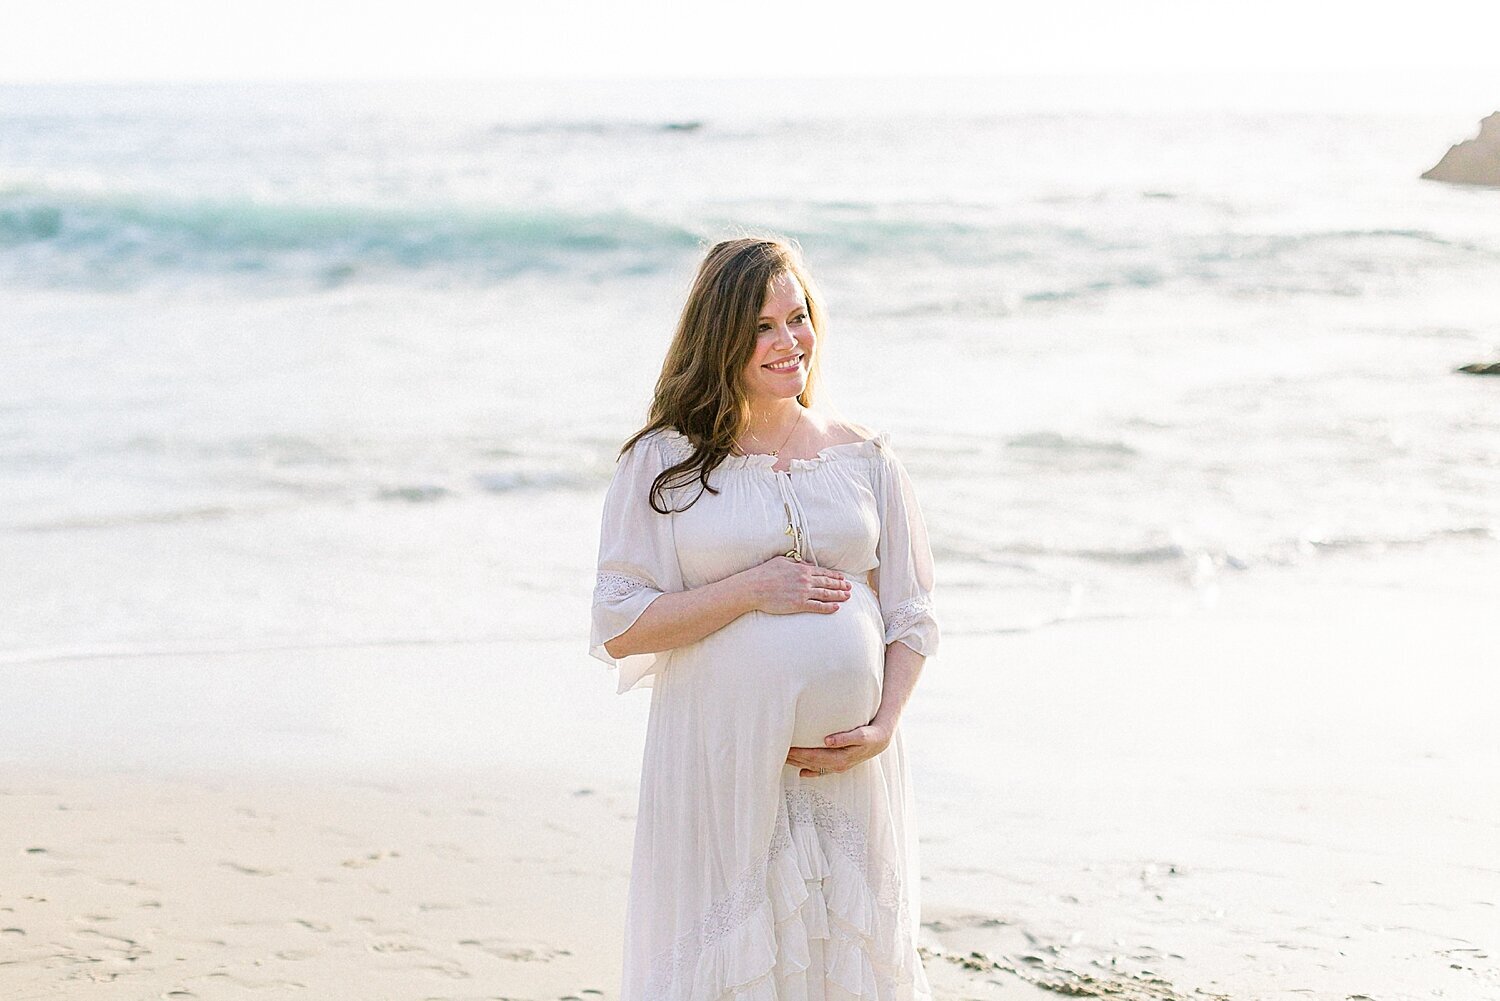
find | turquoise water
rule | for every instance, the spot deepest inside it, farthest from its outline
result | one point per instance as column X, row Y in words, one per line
column 336, row 365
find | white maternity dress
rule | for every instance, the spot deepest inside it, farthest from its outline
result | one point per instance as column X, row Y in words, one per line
column 747, row 881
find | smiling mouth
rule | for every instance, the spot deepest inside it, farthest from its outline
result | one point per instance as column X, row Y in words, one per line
column 785, row 365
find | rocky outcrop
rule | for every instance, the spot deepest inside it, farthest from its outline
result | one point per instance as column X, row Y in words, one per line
column 1481, row 368
column 1473, row 161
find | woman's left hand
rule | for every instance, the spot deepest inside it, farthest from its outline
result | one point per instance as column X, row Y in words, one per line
column 841, row 751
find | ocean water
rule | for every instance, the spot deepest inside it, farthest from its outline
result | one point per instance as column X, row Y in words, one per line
column 312, row 365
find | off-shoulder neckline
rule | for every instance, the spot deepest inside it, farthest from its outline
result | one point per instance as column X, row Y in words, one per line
column 765, row 460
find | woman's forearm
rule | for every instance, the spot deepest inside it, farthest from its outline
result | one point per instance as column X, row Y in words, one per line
column 903, row 665
column 678, row 618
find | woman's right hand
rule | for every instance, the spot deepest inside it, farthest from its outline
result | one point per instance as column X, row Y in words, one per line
column 782, row 586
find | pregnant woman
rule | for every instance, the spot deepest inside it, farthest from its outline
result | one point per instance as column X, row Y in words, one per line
column 765, row 570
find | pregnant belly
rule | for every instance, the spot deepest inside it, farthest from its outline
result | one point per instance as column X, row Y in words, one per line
column 818, row 672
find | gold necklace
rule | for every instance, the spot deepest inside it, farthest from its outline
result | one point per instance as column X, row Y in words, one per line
column 778, row 448
column 795, row 553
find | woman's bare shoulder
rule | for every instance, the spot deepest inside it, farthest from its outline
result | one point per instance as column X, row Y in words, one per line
column 847, row 432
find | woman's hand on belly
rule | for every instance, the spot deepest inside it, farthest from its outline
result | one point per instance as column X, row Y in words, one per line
column 842, row 751
column 782, row 586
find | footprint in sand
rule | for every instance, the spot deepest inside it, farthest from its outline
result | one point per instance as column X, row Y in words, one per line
column 277, row 986
column 313, row 925
column 124, row 941
column 451, row 970
column 118, row 881
column 518, row 952
column 370, row 859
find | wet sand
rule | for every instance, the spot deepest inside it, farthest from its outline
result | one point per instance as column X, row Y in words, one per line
column 1294, row 795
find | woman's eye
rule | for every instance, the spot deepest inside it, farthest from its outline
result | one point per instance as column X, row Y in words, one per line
column 799, row 318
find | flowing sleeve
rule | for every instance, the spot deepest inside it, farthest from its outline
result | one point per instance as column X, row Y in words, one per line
column 905, row 573
column 637, row 561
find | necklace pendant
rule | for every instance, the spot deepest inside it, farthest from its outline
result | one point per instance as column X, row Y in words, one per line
column 795, row 553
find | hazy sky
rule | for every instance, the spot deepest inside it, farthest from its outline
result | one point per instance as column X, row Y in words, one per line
column 73, row 40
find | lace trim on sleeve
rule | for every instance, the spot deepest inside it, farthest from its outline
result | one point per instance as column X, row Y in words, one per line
column 613, row 586
column 907, row 614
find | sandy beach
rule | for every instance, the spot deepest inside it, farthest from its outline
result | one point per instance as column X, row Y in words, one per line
column 132, row 886
column 1294, row 794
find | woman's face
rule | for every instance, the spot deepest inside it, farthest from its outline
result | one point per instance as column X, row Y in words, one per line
column 784, row 338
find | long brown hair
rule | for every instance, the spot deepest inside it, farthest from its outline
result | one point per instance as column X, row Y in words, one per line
column 701, row 390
